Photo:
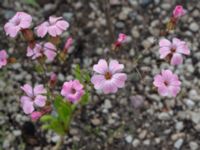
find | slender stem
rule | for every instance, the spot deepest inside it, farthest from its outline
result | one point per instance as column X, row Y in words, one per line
column 108, row 20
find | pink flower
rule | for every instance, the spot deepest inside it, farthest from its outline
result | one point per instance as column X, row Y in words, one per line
column 21, row 20
column 47, row 49
column 72, row 90
column 109, row 77
column 122, row 38
column 3, row 58
column 68, row 43
column 179, row 11
column 34, row 97
column 35, row 115
column 167, row 83
column 173, row 50
column 55, row 27
column 53, row 79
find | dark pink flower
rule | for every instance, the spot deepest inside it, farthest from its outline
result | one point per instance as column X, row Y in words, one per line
column 72, row 91
column 35, row 115
column 173, row 50
column 109, row 77
column 34, row 97
column 20, row 21
column 122, row 38
column 55, row 27
column 68, row 43
column 179, row 11
column 3, row 58
column 167, row 83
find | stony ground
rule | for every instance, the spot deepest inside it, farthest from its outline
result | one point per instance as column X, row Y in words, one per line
column 136, row 117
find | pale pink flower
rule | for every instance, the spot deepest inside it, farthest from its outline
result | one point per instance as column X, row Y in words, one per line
column 72, row 91
column 173, row 50
column 68, row 43
column 109, row 77
column 34, row 97
column 47, row 49
column 3, row 58
column 55, row 27
column 167, row 83
column 178, row 11
column 122, row 38
column 18, row 22
column 35, row 115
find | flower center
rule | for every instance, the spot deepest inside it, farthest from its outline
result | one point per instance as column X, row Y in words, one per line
column 166, row 83
column 108, row 75
column 73, row 91
column 173, row 50
column 17, row 22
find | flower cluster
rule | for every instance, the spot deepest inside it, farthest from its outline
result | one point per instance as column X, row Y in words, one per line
column 168, row 83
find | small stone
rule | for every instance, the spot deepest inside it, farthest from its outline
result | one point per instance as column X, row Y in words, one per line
column 55, row 138
column 136, row 142
column 194, row 27
column 17, row 132
column 107, row 104
column 189, row 103
column 178, row 143
column 120, row 25
column 146, row 142
column 135, row 33
column 143, row 134
column 179, row 126
column 129, row 139
column 193, row 145
column 137, row 101
column 164, row 116
column 96, row 121
column 195, row 117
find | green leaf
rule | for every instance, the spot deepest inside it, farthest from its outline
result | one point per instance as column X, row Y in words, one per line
column 77, row 73
column 46, row 118
column 85, row 98
column 39, row 69
column 32, row 2
column 57, row 126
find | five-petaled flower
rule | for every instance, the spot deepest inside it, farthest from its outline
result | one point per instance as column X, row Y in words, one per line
column 55, row 27
column 109, row 77
column 18, row 22
column 34, row 97
column 173, row 50
column 178, row 11
column 167, row 83
column 72, row 90
column 3, row 58
column 47, row 49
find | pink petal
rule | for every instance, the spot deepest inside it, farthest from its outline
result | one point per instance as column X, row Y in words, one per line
column 77, row 85
column 101, row 67
column 62, row 24
column 28, row 90
column 40, row 100
column 176, row 59
column 115, row 67
column 42, row 29
column 183, row 49
column 163, row 90
column 119, row 79
column 98, row 81
column 158, row 80
column 174, row 90
column 109, row 87
column 27, row 105
column 164, row 43
column 164, row 51
column 39, row 89
column 52, row 30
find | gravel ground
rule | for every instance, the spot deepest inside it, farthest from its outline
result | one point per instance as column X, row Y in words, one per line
column 134, row 118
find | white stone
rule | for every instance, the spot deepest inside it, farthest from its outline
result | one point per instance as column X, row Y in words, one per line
column 178, row 143
column 136, row 142
column 164, row 116
column 129, row 139
column 193, row 145
column 179, row 126
column 194, row 27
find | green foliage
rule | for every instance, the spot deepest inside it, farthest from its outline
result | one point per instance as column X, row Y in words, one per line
column 61, row 122
column 32, row 2
column 82, row 75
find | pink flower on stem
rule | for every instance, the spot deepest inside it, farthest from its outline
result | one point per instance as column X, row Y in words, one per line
column 35, row 115
column 167, row 83
column 55, row 27
column 3, row 58
column 68, row 44
column 53, row 79
column 47, row 49
column 178, row 11
column 122, row 38
column 18, row 22
column 173, row 50
column 109, row 77
column 34, row 97
column 72, row 91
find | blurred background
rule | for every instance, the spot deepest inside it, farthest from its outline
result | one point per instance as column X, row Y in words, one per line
column 134, row 118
